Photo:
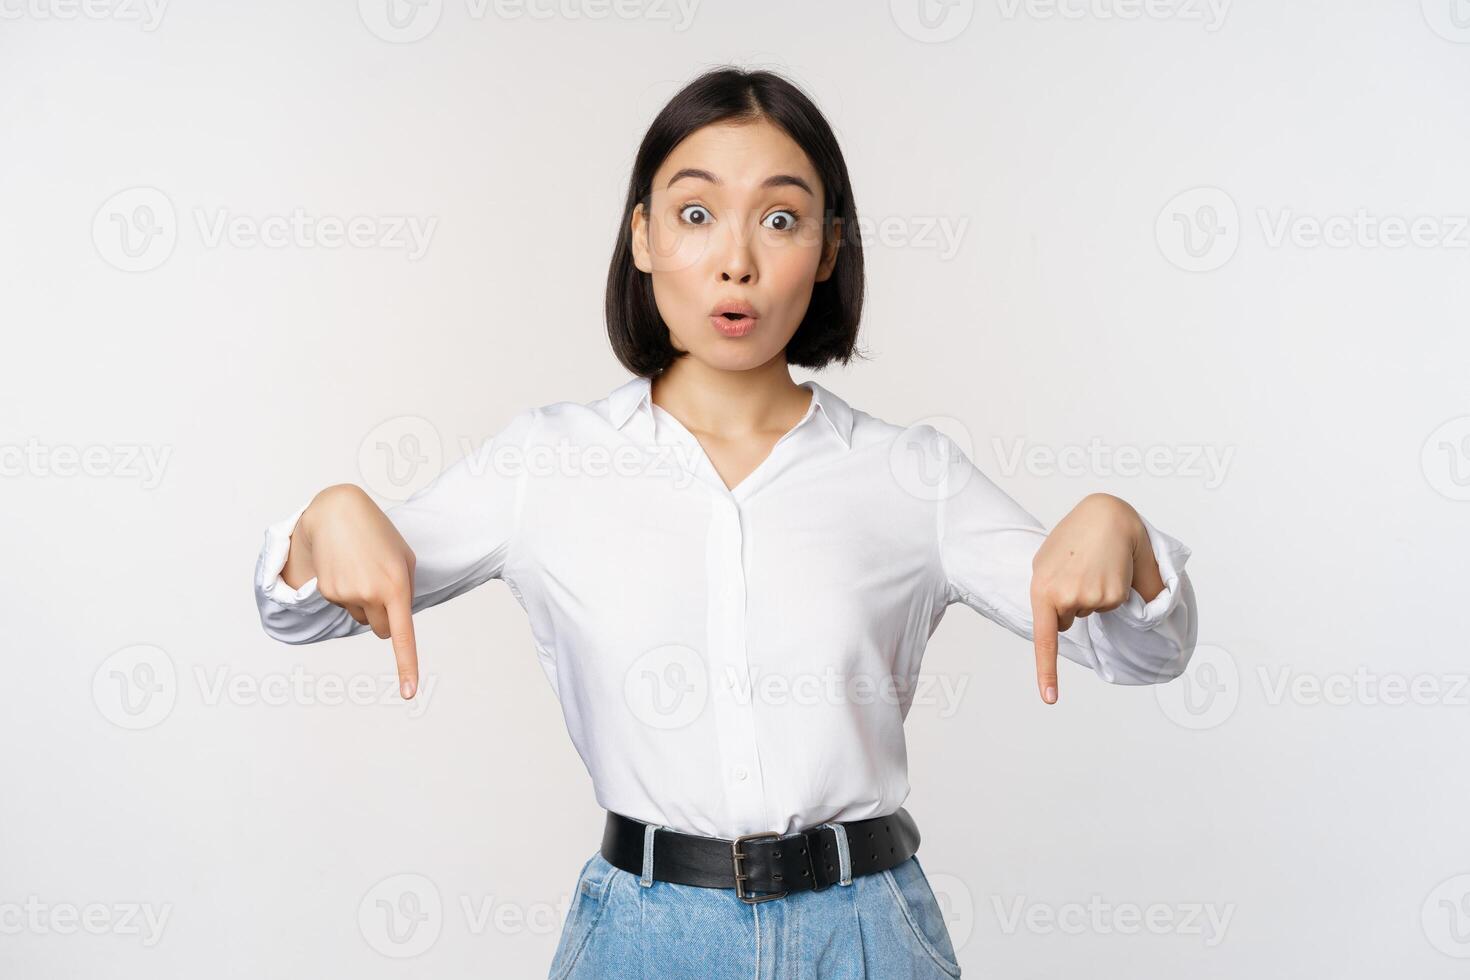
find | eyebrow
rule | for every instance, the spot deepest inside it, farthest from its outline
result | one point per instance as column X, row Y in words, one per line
column 775, row 180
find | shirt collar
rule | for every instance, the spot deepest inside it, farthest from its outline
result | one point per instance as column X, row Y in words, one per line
column 636, row 395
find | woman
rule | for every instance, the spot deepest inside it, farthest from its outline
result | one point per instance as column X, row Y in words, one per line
column 731, row 577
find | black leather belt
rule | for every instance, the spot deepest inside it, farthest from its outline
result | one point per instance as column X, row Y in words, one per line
column 763, row 862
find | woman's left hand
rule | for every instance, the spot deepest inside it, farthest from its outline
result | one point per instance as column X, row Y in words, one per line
column 1087, row 564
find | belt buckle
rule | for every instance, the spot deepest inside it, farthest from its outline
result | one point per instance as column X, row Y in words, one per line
column 736, row 856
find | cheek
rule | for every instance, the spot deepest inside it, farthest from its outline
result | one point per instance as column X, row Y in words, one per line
column 678, row 278
column 672, row 296
column 675, row 248
column 790, row 274
column 675, row 256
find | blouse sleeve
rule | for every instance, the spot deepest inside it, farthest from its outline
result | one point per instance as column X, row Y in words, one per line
column 460, row 528
column 986, row 544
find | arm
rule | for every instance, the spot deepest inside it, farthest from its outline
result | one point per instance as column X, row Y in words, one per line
column 345, row 554
column 1066, row 591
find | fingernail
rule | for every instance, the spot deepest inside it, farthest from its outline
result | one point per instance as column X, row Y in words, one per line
column 1051, row 695
column 407, row 688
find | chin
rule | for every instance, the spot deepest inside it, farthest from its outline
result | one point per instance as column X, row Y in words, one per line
column 733, row 355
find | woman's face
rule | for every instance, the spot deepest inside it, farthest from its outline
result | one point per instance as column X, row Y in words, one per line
column 735, row 220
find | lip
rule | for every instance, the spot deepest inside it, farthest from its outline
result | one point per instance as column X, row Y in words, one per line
column 735, row 306
column 734, row 327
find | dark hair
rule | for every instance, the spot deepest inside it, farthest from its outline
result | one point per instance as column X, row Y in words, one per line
column 828, row 332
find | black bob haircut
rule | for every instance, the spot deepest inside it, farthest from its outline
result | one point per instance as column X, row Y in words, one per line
column 828, row 332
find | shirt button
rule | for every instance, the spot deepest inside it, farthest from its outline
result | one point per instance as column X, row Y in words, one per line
column 741, row 772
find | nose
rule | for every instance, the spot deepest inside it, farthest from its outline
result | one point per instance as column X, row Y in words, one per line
column 737, row 264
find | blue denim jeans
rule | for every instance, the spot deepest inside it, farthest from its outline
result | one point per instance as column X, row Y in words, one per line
column 881, row 926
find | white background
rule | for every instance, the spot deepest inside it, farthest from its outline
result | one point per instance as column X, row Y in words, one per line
column 1303, row 783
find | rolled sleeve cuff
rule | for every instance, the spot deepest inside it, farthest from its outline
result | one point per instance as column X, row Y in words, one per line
column 273, row 559
column 1171, row 554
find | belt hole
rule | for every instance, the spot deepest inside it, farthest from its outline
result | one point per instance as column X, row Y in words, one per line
column 778, row 855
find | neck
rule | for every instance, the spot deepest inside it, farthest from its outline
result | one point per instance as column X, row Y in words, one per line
column 730, row 404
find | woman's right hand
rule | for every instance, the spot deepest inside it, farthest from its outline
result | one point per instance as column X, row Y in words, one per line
column 362, row 564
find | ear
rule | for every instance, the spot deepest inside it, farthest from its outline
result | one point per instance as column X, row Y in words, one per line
column 638, row 228
column 829, row 251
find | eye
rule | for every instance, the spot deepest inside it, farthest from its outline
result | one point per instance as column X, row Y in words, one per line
column 785, row 220
column 698, row 209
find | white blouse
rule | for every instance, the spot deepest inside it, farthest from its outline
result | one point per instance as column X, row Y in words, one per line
column 735, row 661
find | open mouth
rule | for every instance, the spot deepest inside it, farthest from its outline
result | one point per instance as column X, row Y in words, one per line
column 733, row 324
column 733, row 317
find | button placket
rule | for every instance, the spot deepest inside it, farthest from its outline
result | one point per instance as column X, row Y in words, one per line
column 732, row 697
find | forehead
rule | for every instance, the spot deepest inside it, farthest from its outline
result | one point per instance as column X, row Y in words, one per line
column 739, row 154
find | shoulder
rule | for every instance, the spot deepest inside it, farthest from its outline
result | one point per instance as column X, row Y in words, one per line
column 569, row 418
column 920, row 435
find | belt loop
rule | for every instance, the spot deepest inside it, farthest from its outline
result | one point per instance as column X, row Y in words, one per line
column 647, row 878
column 844, row 857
